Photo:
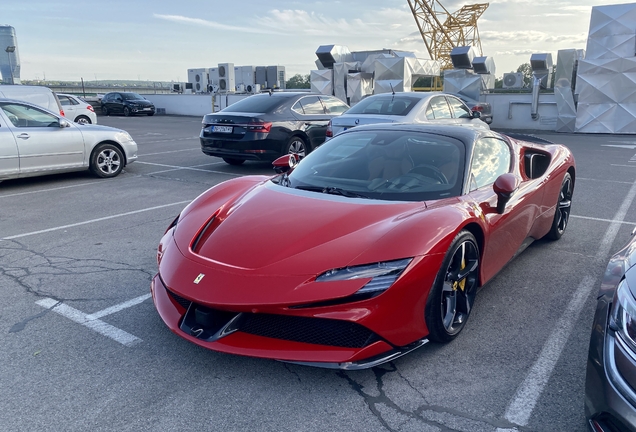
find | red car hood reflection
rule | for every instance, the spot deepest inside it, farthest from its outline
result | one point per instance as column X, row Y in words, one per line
column 276, row 230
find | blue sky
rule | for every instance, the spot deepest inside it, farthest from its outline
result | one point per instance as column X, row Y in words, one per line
column 159, row 40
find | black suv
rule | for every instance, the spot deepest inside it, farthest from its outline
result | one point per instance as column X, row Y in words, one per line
column 126, row 103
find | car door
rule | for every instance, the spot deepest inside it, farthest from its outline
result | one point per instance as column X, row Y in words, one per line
column 9, row 158
column 506, row 232
column 42, row 144
column 314, row 119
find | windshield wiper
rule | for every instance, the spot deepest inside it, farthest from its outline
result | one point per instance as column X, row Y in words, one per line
column 332, row 191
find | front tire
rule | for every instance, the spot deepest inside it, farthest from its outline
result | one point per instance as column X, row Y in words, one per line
column 107, row 161
column 127, row 111
column 150, row 114
column 564, row 206
column 105, row 110
column 234, row 162
column 453, row 294
column 297, row 145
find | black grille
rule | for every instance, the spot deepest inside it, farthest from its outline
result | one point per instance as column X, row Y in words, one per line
column 183, row 302
column 318, row 331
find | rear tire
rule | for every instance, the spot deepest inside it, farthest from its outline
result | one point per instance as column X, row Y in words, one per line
column 298, row 146
column 83, row 120
column 234, row 162
column 563, row 208
column 107, row 161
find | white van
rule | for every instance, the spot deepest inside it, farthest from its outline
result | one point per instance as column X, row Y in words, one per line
column 38, row 95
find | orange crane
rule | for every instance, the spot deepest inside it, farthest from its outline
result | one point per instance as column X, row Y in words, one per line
column 442, row 31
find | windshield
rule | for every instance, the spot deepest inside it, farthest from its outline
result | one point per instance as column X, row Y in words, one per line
column 257, row 104
column 132, row 96
column 387, row 165
column 385, row 104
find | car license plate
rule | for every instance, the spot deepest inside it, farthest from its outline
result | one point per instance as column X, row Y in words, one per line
column 222, row 129
column 147, row 109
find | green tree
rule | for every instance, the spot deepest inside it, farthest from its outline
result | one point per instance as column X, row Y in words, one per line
column 298, row 81
column 526, row 70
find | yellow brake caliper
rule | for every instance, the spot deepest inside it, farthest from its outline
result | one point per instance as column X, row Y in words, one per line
column 461, row 284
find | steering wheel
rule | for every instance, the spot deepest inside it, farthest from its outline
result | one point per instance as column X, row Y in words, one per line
column 430, row 171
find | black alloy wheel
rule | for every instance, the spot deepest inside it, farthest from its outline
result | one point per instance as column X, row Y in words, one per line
column 563, row 208
column 453, row 293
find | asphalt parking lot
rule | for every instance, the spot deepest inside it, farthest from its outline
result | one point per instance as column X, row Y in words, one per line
column 103, row 359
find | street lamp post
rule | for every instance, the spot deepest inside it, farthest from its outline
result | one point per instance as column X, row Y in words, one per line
column 10, row 49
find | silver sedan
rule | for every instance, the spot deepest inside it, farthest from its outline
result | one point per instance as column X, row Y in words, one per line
column 35, row 141
column 407, row 107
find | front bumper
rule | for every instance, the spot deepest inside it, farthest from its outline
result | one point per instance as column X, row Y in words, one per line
column 232, row 341
column 610, row 402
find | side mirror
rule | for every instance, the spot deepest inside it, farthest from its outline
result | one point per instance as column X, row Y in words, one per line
column 285, row 163
column 64, row 124
column 505, row 186
column 476, row 114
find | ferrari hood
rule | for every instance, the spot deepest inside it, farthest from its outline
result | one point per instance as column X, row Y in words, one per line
column 280, row 230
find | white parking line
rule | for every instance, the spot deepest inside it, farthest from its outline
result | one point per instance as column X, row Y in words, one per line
column 603, row 180
column 171, row 151
column 189, row 168
column 92, row 321
column 603, row 220
column 520, row 408
column 49, row 190
column 93, row 220
column 628, row 166
column 177, row 169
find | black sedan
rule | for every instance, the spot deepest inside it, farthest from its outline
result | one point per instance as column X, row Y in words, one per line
column 268, row 125
column 610, row 395
column 126, row 103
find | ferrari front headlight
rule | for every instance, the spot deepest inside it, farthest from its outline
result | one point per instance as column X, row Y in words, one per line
column 382, row 274
column 623, row 315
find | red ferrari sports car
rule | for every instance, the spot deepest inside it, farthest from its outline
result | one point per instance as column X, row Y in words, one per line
column 372, row 245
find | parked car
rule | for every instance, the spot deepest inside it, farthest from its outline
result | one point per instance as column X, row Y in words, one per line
column 77, row 109
column 126, row 103
column 35, row 141
column 484, row 108
column 267, row 125
column 38, row 95
column 610, row 395
column 373, row 245
column 406, row 107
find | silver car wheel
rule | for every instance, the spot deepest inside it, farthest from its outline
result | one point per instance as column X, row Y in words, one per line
column 297, row 146
column 82, row 120
column 107, row 160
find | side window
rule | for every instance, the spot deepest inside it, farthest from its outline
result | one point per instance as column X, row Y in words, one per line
column 334, row 105
column 312, row 105
column 440, row 108
column 298, row 108
column 26, row 116
column 429, row 113
column 107, row 98
column 64, row 100
column 460, row 110
column 491, row 158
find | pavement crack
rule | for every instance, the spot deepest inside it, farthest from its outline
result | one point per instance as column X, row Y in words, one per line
column 18, row 327
column 286, row 365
